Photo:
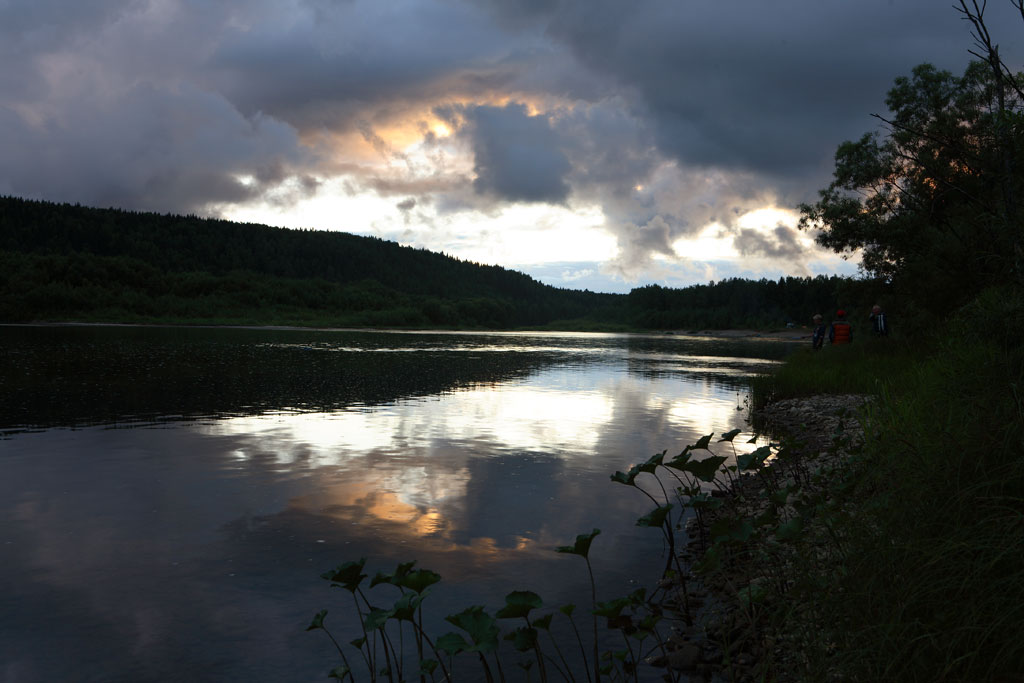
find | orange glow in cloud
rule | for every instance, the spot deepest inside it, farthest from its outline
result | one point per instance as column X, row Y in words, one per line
column 404, row 130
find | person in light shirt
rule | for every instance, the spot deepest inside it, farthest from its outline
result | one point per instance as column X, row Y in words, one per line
column 879, row 324
column 818, row 337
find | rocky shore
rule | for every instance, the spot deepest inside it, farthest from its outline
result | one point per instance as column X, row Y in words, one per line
column 728, row 636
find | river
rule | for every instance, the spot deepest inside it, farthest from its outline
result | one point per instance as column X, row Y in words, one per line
column 170, row 496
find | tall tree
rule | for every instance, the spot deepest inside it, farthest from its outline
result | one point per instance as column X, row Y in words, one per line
column 927, row 203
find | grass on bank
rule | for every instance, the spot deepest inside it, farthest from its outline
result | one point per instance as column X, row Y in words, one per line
column 932, row 584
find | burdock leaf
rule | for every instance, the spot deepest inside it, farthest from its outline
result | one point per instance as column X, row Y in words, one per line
column 746, row 461
column 706, row 469
column 420, row 580
column 625, row 477
column 405, row 607
column 427, row 666
column 348, row 575
column 519, row 604
column 656, row 517
column 567, row 609
column 523, row 638
column 452, row 644
column 394, row 579
column 480, row 626
column 543, row 622
column 582, row 545
column 761, row 454
column 705, row 501
column 377, row 617
column 652, row 463
column 339, row 672
column 318, row 621
column 703, row 442
column 612, row 608
column 729, row 436
column 680, row 460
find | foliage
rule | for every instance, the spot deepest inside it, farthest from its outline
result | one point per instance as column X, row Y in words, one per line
column 60, row 262
column 927, row 204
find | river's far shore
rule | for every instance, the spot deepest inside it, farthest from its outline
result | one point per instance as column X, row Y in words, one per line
column 786, row 333
column 792, row 333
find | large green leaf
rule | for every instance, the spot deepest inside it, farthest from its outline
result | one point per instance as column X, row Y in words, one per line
column 518, row 604
column 612, row 608
column 582, row 545
column 705, row 501
column 543, row 622
column 348, row 575
column 626, row 477
column 420, row 580
column 706, row 469
column 729, row 436
column 702, row 443
column 318, row 621
column 406, row 606
column 377, row 617
column 656, row 517
column 395, row 578
column 652, row 463
column 452, row 644
column 340, row 672
column 481, row 627
column 680, row 460
column 523, row 638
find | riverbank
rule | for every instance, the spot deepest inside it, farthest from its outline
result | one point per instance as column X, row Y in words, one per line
column 882, row 542
column 733, row 572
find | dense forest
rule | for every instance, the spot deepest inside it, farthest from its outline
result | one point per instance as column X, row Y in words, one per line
column 62, row 262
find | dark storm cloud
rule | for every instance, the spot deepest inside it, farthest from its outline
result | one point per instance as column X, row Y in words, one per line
column 781, row 244
column 517, row 157
column 665, row 113
column 762, row 87
column 155, row 150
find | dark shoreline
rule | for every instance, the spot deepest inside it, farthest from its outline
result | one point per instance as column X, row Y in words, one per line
column 721, row 643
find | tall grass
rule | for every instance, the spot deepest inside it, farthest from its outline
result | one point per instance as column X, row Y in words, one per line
column 863, row 367
column 932, row 588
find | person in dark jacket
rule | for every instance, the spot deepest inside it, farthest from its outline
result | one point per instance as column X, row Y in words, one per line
column 879, row 324
column 840, row 332
column 818, row 337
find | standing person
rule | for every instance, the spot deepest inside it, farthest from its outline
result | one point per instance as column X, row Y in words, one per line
column 879, row 325
column 840, row 332
column 818, row 337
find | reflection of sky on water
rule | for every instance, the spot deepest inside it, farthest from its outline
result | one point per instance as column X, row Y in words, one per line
column 192, row 551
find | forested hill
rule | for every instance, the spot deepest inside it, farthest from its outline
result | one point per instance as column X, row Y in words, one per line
column 187, row 243
column 67, row 261
column 62, row 262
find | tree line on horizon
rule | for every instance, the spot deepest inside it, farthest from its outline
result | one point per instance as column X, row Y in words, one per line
column 64, row 262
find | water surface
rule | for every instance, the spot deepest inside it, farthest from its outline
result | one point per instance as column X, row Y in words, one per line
column 169, row 496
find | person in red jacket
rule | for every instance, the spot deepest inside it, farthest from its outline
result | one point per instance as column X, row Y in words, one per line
column 840, row 332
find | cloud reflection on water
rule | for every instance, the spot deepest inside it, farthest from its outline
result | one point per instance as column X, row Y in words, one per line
column 193, row 549
column 416, row 464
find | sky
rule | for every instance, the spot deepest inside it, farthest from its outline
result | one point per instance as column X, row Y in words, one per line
column 592, row 144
